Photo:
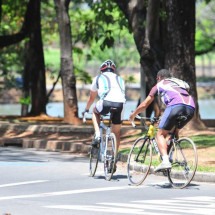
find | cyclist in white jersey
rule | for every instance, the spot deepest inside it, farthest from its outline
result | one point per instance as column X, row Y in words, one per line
column 175, row 95
column 110, row 88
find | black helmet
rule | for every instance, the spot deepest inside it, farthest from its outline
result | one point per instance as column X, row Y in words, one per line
column 108, row 66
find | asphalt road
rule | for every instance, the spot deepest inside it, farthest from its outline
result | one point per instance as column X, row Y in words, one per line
column 49, row 183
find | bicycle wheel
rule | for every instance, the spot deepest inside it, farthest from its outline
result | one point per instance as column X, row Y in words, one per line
column 110, row 155
column 184, row 161
column 139, row 161
column 94, row 158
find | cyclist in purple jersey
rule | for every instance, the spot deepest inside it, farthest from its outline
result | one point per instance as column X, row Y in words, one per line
column 175, row 95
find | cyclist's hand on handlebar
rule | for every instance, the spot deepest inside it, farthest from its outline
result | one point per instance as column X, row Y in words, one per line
column 131, row 119
column 84, row 115
column 84, row 112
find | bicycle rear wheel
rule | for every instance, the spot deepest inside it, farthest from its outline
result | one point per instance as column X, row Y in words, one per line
column 139, row 161
column 94, row 158
column 184, row 161
column 110, row 156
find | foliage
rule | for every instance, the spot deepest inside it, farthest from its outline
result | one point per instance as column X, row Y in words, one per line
column 11, row 64
column 100, row 27
column 205, row 25
column 12, row 16
column 25, row 101
column 129, row 79
column 11, row 58
column 99, row 32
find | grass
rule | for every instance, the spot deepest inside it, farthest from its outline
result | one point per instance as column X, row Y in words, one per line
column 202, row 142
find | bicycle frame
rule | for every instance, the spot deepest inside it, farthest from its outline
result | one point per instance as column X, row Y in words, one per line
column 107, row 150
column 182, row 155
column 103, row 145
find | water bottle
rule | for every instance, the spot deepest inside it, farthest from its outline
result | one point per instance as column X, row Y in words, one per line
column 151, row 131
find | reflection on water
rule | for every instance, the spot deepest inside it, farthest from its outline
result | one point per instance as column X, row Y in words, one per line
column 56, row 109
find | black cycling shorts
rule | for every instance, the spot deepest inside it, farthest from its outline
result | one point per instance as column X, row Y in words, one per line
column 171, row 113
column 103, row 107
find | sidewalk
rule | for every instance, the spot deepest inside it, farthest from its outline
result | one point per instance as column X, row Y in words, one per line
column 66, row 138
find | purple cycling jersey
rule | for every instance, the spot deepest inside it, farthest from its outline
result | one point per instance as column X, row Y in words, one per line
column 171, row 93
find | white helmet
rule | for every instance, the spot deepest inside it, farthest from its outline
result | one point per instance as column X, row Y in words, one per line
column 108, row 66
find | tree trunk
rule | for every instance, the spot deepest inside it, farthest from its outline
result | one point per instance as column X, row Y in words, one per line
column 67, row 73
column 143, row 19
column 37, row 65
column 165, row 43
column 180, row 47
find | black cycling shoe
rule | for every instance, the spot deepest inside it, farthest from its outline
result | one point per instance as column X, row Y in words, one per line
column 96, row 142
column 110, row 168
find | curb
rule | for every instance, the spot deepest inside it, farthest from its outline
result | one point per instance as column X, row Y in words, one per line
column 38, row 129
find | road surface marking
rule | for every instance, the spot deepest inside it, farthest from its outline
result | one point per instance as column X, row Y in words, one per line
column 24, row 163
column 198, row 205
column 68, row 192
column 22, row 183
column 103, row 209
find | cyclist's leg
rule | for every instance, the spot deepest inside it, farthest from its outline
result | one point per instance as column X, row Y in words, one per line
column 116, row 130
column 168, row 121
column 165, row 126
column 96, row 121
column 117, row 122
column 161, row 140
column 99, row 109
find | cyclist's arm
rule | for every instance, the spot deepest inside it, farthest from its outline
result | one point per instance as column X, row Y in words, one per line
column 149, row 99
column 92, row 97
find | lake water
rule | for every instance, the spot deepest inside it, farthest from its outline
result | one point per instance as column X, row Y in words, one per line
column 55, row 109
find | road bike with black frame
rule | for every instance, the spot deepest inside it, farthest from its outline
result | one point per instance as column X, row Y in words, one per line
column 106, row 151
column 144, row 156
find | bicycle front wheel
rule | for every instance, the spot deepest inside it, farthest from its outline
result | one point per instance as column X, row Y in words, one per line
column 110, row 156
column 94, row 158
column 184, row 161
column 139, row 161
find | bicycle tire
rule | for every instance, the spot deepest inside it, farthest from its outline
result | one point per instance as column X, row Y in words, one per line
column 184, row 161
column 110, row 156
column 94, row 158
column 139, row 161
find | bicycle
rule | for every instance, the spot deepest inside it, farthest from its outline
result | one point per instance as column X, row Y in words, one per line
column 182, row 155
column 106, row 152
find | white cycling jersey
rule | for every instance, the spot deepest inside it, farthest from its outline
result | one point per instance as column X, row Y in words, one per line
column 110, row 87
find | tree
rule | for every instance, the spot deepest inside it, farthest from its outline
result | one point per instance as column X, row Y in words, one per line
column 165, row 41
column 35, row 65
column 144, row 23
column 180, row 46
column 67, row 73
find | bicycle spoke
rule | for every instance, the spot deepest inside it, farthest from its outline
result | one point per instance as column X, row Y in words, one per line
column 184, row 163
column 110, row 157
column 94, row 157
column 139, row 161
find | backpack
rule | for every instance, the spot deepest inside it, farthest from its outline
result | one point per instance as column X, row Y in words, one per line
column 180, row 83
